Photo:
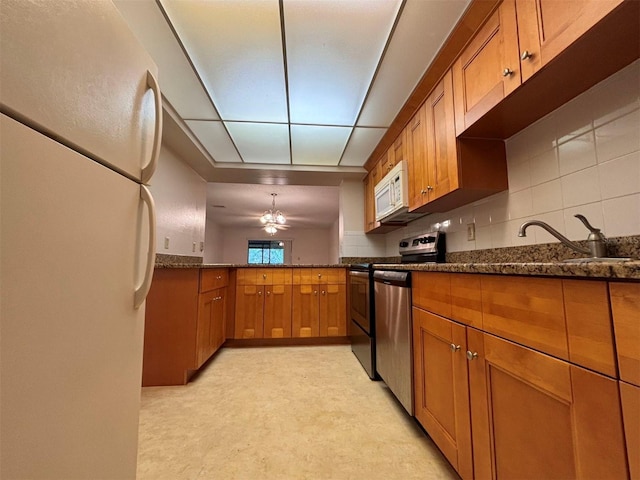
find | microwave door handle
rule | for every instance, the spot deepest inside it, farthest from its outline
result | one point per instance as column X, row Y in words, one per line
column 392, row 191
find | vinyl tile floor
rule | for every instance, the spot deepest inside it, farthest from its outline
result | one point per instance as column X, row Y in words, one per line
column 282, row 413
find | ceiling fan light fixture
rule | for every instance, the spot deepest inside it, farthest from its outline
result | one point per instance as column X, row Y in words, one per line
column 271, row 229
column 271, row 218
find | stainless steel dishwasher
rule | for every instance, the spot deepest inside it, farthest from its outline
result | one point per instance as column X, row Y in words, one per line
column 394, row 360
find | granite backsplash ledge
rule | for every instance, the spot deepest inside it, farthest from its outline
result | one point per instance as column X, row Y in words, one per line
column 166, row 259
column 544, row 253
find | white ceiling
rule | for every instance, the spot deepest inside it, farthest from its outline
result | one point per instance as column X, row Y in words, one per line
column 288, row 85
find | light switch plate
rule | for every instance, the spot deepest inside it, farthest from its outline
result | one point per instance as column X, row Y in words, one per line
column 166, row 242
column 471, row 231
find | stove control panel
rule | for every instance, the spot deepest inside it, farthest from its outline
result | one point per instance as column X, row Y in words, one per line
column 426, row 243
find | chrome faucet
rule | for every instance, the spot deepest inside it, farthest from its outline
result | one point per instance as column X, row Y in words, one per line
column 596, row 240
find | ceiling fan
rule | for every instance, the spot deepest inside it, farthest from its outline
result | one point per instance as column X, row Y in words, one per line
column 273, row 220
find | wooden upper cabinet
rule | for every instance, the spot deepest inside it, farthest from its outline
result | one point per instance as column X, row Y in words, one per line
column 416, row 155
column 445, row 173
column 625, row 306
column 535, row 416
column 489, row 67
column 547, row 27
column 442, row 154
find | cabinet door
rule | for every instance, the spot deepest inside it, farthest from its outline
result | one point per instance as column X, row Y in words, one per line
column 441, row 388
column 630, row 396
column 416, row 149
column 369, row 204
column 277, row 311
column 218, row 333
column 204, row 331
column 249, row 311
column 535, row 416
column 442, row 154
column 488, row 69
column 547, row 27
column 305, row 313
column 333, row 311
column 625, row 306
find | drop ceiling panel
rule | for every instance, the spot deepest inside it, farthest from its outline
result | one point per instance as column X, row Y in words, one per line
column 361, row 144
column 318, row 145
column 333, row 49
column 422, row 29
column 237, row 48
column 261, row 142
column 179, row 83
column 214, row 139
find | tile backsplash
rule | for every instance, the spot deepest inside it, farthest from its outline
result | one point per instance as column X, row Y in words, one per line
column 582, row 158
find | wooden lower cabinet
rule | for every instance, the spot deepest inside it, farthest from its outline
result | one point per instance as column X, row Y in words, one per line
column 319, row 310
column 535, row 416
column 441, row 393
column 184, row 323
column 263, row 311
column 210, row 334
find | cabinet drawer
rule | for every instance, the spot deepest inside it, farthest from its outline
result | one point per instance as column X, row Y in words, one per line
column 212, row 278
column 529, row 311
column 264, row 276
column 317, row 276
column 625, row 306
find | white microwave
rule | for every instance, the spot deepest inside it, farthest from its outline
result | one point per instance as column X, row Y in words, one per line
column 392, row 197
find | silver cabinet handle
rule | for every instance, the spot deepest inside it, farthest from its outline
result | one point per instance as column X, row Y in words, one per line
column 141, row 292
column 471, row 355
column 507, row 72
column 429, row 188
column 315, row 292
column 260, row 292
column 268, row 293
column 319, row 275
column 525, row 55
column 150, row 168
column 454, row 348
column 264, row 275
column 423, row 191
column 323, row 292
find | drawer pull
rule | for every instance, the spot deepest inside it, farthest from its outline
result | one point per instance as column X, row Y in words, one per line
column 507, row 72
column 471, row 355
column 454, row 348
column 526, row 55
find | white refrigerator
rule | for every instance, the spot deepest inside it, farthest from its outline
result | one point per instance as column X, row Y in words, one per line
column 79, row 138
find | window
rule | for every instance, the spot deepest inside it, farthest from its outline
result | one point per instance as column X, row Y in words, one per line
column 266, row 251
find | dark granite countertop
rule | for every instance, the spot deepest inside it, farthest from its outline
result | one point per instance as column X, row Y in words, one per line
column 603, row 270
column 245, row 265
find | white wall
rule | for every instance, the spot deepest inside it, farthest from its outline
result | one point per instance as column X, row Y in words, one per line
column 334, row 242
column 213, row 244
column 582, row 158
column 353, row 241
column 180, row 196
column 309, row 246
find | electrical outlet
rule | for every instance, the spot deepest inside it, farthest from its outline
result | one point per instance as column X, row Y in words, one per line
column 202, row 246
column 193, row 248
column 166, row 242
column 471, row 232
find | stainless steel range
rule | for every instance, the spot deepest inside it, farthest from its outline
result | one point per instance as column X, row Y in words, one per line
column 428, row 247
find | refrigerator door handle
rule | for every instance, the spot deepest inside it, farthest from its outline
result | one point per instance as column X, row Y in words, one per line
column 150, row 168
column 142, row 291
